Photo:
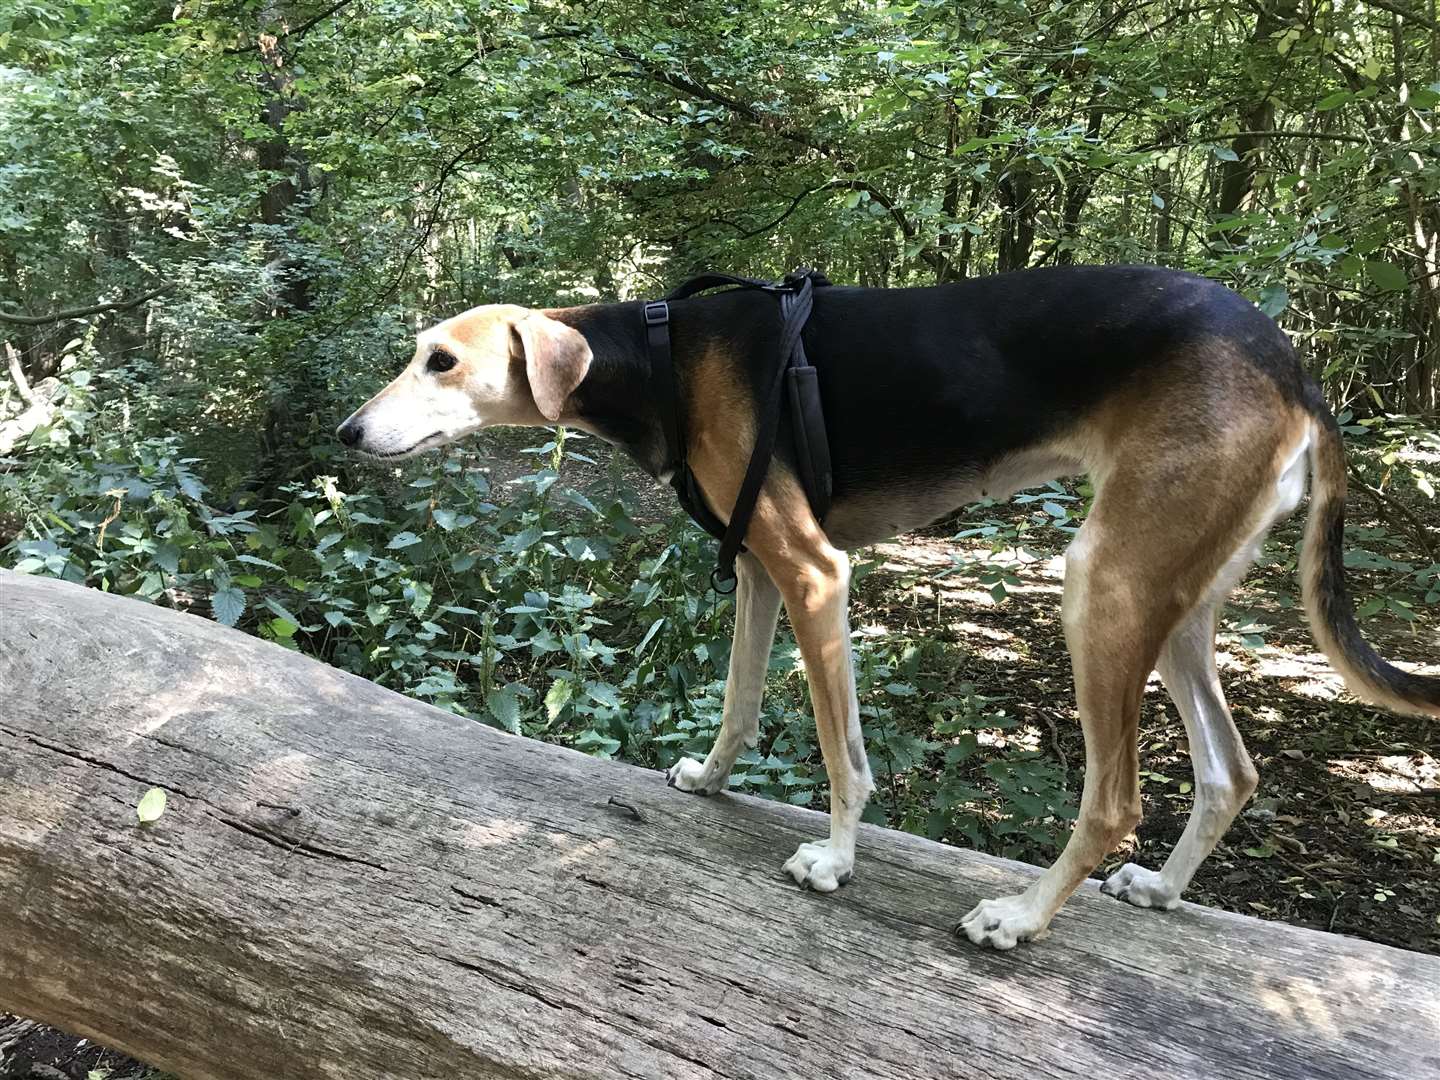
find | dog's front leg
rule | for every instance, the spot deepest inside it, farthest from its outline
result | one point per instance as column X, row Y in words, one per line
column 757, row 607
column 816, row 594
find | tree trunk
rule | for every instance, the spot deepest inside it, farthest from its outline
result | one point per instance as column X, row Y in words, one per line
column 984, row 125
column 1238, row 177
column 1078, row 186
column 348, row 883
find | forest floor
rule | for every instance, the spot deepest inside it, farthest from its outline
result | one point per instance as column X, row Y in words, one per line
column 1343, row 834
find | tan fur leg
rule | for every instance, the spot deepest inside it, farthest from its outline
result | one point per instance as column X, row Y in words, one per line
column 1225, row 777
column 816, row 597
column 814, row 581
column 813, row 578
column 1112, row 641
column 757, row 608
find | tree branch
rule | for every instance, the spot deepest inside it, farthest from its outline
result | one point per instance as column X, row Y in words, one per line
column 299, row 32
column 79, row 313
column 1390, row 506
column 1404, row 13
column 17, row 374
column 791, row 133
column 1195, row 140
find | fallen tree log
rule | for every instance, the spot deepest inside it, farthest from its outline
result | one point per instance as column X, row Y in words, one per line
column 348, row 883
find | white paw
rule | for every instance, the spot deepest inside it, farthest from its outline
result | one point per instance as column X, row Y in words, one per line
column 1141, row 887
column 1004, row 922
column 687, row 774
column 820, row 867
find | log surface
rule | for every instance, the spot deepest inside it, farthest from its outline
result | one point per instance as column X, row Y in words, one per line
column 348, row 883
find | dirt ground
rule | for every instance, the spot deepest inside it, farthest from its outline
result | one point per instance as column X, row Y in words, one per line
column 1343, row 834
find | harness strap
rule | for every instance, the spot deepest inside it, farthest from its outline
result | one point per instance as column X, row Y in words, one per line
column 715, row 279
column 663, row 390
column 657, row 336
column 795, row 309
column 796, row 297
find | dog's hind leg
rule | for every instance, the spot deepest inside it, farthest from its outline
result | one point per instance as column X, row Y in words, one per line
column 1143, row 564
column 1224, row 775
column 757, row 609
column 1110, row 613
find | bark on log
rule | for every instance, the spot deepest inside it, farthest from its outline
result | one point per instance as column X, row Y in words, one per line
column 347, row 883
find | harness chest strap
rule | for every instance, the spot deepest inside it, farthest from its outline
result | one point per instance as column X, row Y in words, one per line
column 812, row 448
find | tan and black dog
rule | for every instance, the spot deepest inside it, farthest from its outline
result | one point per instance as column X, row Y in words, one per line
column 1183, row 403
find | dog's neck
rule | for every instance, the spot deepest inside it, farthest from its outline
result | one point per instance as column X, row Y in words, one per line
column 616, row 400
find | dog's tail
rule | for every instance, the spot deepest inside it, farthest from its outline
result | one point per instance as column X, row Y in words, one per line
column 1327, row 602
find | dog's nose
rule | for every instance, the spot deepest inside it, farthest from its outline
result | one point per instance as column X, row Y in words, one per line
column 350, row 432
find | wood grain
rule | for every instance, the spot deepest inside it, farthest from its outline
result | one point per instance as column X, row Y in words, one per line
column 348, row 883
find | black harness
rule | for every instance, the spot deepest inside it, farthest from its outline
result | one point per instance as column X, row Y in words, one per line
column 793, row 374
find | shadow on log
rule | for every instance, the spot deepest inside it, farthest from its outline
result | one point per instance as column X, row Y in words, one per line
column 347, row 883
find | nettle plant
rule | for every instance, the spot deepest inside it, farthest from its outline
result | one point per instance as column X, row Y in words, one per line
column 540, row 609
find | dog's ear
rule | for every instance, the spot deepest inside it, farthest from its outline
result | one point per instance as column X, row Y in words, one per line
column 556, row 359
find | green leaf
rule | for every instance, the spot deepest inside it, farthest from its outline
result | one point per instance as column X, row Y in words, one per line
column 604, row 693
column 402, row 540
column 597, row 744
column 227, row 605
column 1386, row 275
column 1274, row 299
column 151, row 805
column 444, row 518
column 557, row 697
column 504, row 706
column 282, row 611
column 167, row 557
column 654, row 626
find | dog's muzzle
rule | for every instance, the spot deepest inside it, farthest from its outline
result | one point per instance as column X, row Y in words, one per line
column 350, row 432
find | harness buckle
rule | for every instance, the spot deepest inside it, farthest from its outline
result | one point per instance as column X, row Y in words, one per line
column 723, row 585
column 657, row 313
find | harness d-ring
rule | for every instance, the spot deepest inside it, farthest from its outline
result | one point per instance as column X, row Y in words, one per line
column 718, row 583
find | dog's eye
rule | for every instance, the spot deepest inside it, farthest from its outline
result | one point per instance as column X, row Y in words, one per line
column 440, row 361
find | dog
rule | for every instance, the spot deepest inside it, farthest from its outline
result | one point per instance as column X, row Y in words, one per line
column 1184, row 404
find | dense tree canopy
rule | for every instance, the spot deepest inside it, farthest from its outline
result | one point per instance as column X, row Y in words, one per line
column 305, row 180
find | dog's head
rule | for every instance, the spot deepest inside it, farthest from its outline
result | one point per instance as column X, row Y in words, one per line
column 498, row 364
